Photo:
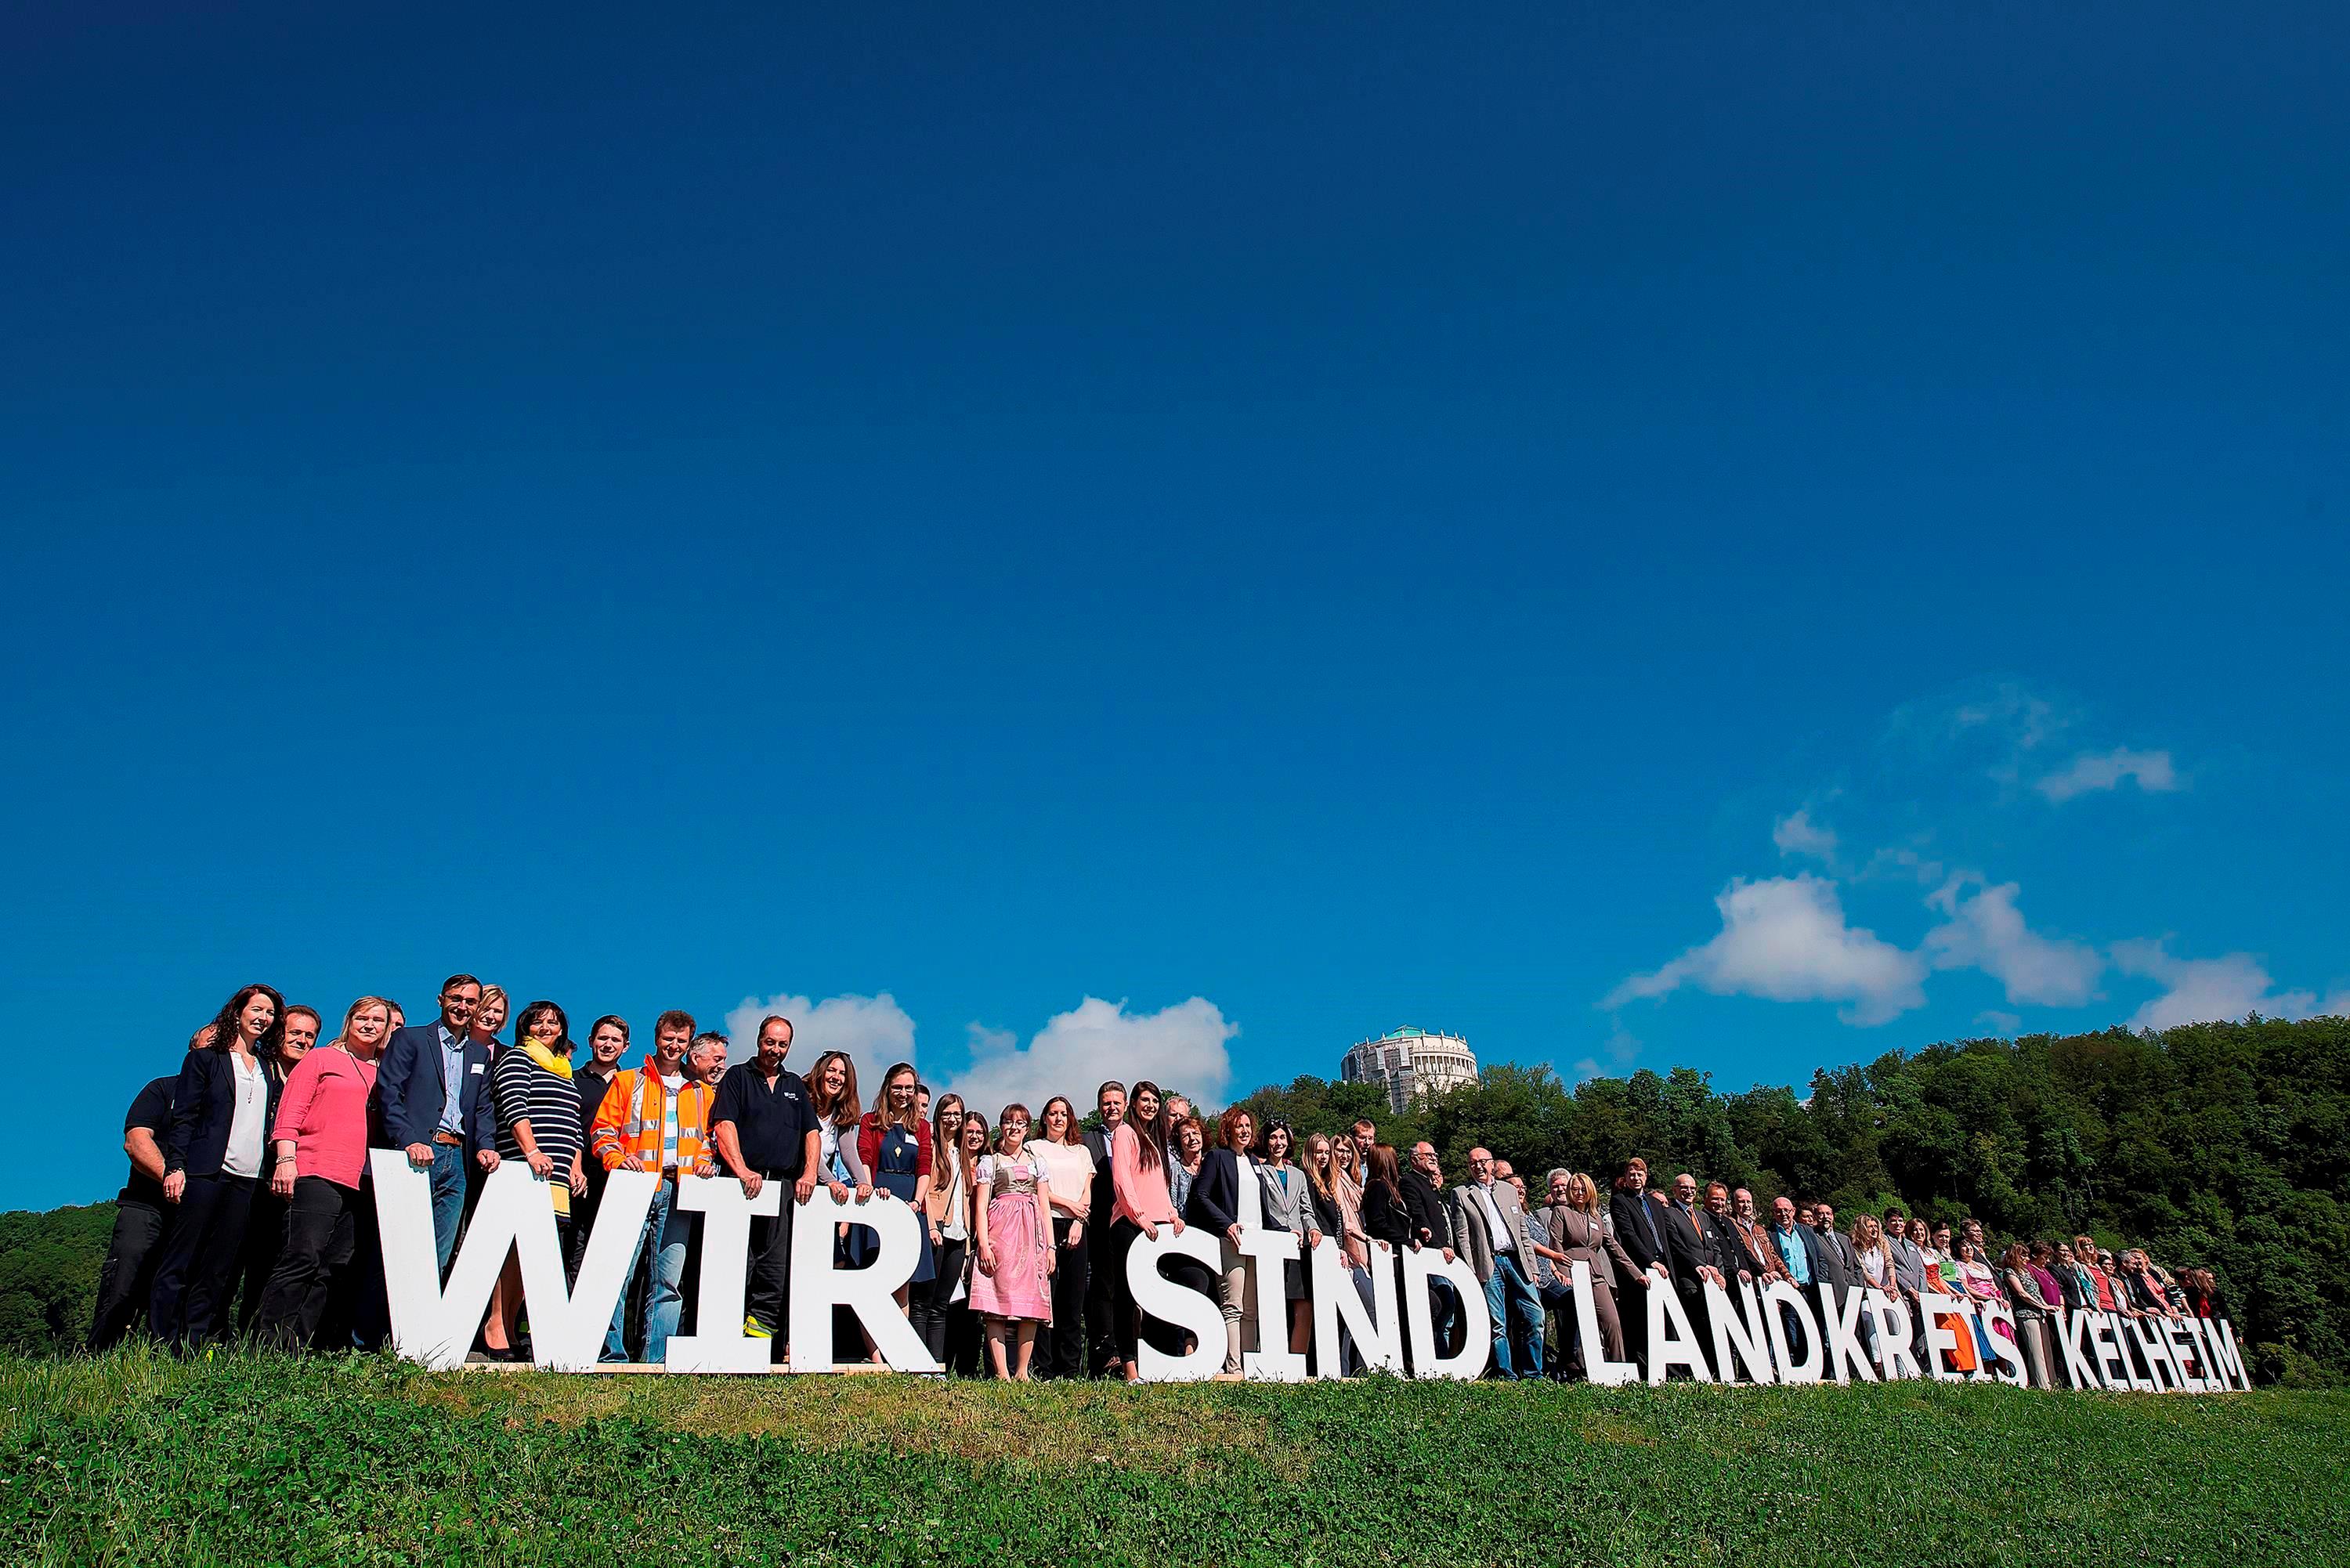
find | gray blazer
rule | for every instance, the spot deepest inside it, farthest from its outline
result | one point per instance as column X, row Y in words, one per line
column 1472, row 1233
column 1591, row 1241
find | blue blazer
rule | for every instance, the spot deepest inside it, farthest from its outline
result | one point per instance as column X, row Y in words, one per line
column 409, row 1093
column 1215, row 1202
column 203, row 1103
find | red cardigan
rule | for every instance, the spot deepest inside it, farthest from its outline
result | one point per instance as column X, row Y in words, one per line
column 869, row 1142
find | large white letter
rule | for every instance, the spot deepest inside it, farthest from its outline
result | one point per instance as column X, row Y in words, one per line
column 1596, row 1367
column 2114, row 1357
column 2004, row 1346
column 1841, row 1319
column 1738, row 1338
column 1783, row 1294
column 2161, row 1369
column 818, row 1287
column 1942, row 1340
column 1164, row 1299
column 1679, row 1348
column 2179, row 1338
column 2226, row 1360
column 2080, row 1366
column 1419, row 1316
column 1378, row 1329
column 1891, row 1316
column 1271, row 1361
column 718, row 1343
column 436, row 1326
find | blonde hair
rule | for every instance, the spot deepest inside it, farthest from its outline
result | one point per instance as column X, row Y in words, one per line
column 356, row 1008
column 1589, row 1204
column 494, row 994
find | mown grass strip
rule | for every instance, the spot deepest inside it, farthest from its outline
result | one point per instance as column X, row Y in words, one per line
column 242, row 1459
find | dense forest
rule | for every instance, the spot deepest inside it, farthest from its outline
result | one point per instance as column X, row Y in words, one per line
column 2224, row 1145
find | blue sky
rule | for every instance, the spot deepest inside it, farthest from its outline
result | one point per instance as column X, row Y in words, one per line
column 1178, row 540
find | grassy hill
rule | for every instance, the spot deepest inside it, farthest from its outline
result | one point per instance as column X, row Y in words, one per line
column 249, row 1458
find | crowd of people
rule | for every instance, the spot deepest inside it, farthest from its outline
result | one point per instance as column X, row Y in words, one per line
column 249, row 1213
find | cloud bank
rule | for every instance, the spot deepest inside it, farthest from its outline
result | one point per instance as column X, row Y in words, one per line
column 1179, row 1047
column 1785, row 938
column 874, row 1030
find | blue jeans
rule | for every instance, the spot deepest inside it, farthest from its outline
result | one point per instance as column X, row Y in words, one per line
column 448, row 1200
column 1558, row 1300
column 671, row 1228
column 1508, row 1296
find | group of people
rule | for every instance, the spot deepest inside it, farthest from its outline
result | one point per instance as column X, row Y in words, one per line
column 249, row 1212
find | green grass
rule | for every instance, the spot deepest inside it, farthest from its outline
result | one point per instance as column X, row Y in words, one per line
column 246, row 1459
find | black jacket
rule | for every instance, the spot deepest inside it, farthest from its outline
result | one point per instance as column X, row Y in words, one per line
column 1838, row 1265
column 1105, row 1197
column 1214, row 1203
column 1428, row 1211
column 1647, row 1248
column 203, row 1103
column 1384, row 1218
column 1689, row 1247
column 1326, row 1216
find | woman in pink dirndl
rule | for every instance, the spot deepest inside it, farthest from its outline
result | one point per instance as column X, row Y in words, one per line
column 1012, row 1287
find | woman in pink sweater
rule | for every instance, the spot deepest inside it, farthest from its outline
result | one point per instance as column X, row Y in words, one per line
column 320, row 1141
column 1141, row 1205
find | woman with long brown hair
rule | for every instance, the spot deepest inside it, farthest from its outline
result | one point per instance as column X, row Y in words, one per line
column 213, row 1156
column 1069, row 1177
column 894, row 1141
column 1141, row 1204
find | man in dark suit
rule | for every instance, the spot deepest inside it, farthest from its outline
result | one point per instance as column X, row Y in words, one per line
column 1431, row 1225
column 1839, row 1263
column 1101, row 1331
column 1693, row 1252
column 1633, row 1211
column 432, row 1089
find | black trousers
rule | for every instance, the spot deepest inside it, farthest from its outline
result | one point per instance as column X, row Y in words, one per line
column 768, row 1297
column 321, row 1231
column 200, row 1261
column 931, row 1303
column 127, row 1275
column 1193, row 1275
column 583, row 1219
column 1124, row 1324
column 1063, row 1352
column 1101, row 1295
column 264, row 1238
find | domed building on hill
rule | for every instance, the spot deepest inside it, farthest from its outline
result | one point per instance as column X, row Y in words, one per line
column 1410, row 1062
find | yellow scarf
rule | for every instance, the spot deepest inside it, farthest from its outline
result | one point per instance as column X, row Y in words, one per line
column 558, row 1066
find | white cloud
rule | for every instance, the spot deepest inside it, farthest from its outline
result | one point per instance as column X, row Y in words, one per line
column 1799, row 835
column 2026, row 717
column 1999, row 1022
column 2335, row 1005
column 874, row 1030
column 2106, row 770
column 1986, row 931
column 2198, row 990
column 1179, row 1047
column 1785, row 938
column 1901, row 861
